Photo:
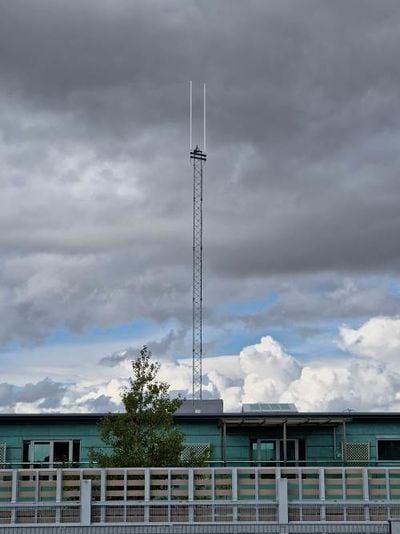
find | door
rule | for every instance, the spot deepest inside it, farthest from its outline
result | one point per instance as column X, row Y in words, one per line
column 264, row 451
column 271, row 451
column 40, row 453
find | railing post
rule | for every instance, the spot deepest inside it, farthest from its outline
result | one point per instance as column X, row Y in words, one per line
column 365, row 493
column 147, row 495
column 14, row 492
column 86, row 502
column 234, row 475
column 58, row 494
column 283, row 509
column 191, row 494
column 103, row 495
column 322, row 493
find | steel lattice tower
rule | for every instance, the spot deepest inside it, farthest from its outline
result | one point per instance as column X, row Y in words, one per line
column 198, row 158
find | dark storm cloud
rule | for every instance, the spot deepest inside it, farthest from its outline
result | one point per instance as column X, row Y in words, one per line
column 101, row 404
column 169, row 345
column 48, row 392
column 95, row 215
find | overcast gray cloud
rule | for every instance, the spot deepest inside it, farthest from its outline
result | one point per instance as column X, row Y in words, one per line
column 302, row 178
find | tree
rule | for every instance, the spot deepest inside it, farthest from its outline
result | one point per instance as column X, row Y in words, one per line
column 145, row 435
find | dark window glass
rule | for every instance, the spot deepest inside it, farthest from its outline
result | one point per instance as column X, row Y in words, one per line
column 61, row 451
column 76, row 450
column 290, row 450
column 302, row 449
column 25, row 453
column 389, row 449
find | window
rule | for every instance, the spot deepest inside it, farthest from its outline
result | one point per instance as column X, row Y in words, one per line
column 43, row 453
column 271, row 451
column 388, row 449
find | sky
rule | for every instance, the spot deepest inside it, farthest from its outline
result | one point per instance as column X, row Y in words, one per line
column 301, row 200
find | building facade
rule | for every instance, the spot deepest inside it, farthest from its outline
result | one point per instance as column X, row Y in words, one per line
column 254, row 439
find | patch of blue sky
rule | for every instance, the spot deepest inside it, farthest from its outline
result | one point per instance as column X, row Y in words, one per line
column 251, row 307
column 394, row 287
column 140, row 330
column 304, row 343
column 236, row 343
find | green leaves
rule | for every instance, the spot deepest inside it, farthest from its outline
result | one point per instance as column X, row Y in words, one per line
column 145, row 435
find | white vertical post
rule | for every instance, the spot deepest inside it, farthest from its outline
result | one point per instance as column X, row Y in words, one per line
column 86, row 502
column 125, row 492
column 103, row 495
column 257, row 476
column 169, row 493
column 191, row 494
column 283, row 508
column 322, row 492
column 14, row 485
column 387, row 490
column 58, row 494
column 213, row 492
column 300, row 490
column 37, row 485
column 234, row 475
column 366, row 493
column 146, row 495
column 14, row 492
column 59, row 485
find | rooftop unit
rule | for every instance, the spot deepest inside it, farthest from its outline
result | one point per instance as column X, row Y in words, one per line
column 204, row 406
column 265, row 407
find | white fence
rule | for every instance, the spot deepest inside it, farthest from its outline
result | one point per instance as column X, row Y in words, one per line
column 199, row 496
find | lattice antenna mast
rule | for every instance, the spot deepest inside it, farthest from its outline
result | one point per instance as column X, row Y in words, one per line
column 198, row 158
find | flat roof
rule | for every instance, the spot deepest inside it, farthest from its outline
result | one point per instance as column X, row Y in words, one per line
column 229, row 418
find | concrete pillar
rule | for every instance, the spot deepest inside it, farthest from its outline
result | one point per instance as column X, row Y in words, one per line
column 191, row 494
column 394, row 526
column 86, row 502
column 283, row 508
column 147, row 482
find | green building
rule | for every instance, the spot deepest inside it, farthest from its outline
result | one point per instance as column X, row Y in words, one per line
column 259, row 435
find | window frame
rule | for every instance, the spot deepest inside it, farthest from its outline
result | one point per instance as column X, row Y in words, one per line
column 278, row 442
column 385, row 438
column 31, row 463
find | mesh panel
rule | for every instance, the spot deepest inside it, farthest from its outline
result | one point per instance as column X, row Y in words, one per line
column 3, row 449
column 356, row 452
column 194, row 448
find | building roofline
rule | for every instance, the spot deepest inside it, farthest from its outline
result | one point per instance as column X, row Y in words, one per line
column 208, row 416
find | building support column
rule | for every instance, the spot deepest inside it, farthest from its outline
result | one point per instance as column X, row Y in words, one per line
column 284, row 443
column 224, row 444
column 334, row 442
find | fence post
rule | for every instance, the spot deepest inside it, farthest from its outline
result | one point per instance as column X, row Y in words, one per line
column 14, row 493
column 365, row 493
column 283, row 509
column 191, row 494
column 59, row 491
column 147, row 484
column 322, row 493
column 86, row 502
column 103, row 495
column 234, row 474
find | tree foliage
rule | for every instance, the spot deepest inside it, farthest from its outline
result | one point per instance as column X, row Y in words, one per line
column 145, row 435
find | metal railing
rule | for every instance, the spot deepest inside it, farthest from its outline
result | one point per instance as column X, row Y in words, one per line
column 251, row 495
column 231, row 462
